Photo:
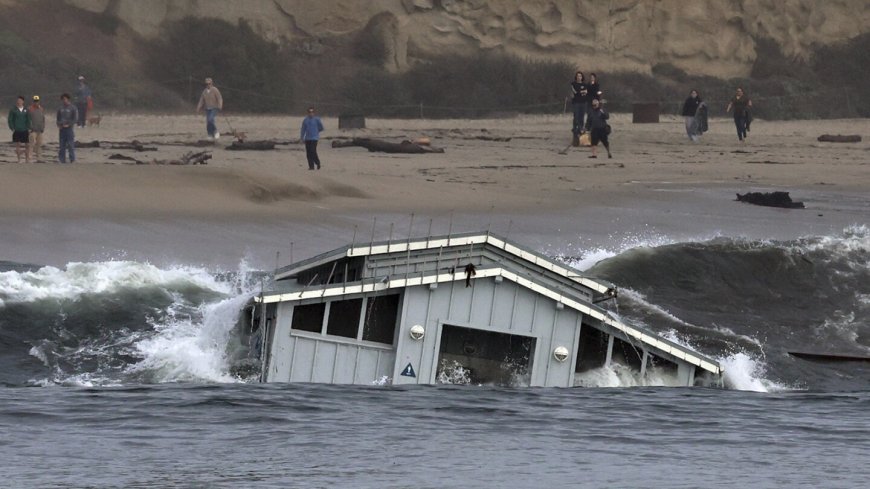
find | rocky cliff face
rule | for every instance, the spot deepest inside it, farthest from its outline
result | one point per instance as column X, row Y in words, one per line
column 713, row 37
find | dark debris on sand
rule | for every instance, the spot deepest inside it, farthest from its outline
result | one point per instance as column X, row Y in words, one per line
column 770, row 199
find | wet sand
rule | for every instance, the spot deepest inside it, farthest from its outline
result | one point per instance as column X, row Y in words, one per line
column 255, row 203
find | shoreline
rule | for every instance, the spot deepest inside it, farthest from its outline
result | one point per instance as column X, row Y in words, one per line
column 657, row 184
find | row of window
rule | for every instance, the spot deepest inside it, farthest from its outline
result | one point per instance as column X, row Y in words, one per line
column 345, row 318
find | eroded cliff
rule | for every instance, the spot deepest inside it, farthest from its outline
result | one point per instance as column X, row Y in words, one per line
column 713, row 37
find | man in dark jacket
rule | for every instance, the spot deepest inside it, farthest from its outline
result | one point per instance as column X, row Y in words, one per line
column 596, row 124
column 19, row 124
column 690, row 112
column 67, row 116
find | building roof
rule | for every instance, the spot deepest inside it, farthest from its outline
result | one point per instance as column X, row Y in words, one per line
column 435, row 242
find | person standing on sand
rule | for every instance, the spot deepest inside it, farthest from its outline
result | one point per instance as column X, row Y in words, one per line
column 19, row 124
column 594, row 88
column 83, row 101
column 690, row 110
column 67, row 115
column 212, row 102
column 741, row 105
column 596, row 123
column 579, row 99
column 37, row 128
column 310, row 133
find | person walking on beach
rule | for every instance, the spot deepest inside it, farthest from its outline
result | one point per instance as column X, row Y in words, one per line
column 579, row 99
column 690, row 110
column 741, row 105
column 19, row 124
column 310, row 133
column 84, row 100
column 596, row 124
column 37, row 128
column 212, row 102
column 67, row 115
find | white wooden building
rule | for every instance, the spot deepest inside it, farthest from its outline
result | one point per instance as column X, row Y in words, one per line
column 470, row 308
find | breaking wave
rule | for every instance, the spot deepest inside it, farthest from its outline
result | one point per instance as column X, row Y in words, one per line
column 118, row 322
column 744, row 302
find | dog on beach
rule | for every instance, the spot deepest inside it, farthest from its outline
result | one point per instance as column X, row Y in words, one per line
column 95, row 120
column 239, row 135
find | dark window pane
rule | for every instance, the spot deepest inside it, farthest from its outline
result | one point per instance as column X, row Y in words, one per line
column 382, row 314
column 344, row 318
column 309, row 317
column 593, row 349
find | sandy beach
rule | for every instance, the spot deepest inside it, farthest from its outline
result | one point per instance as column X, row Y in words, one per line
column 257, row 202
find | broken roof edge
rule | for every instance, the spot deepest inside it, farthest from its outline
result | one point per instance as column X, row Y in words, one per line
column 434, row 242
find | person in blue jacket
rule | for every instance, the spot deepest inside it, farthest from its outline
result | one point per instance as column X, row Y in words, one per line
column 310, row 134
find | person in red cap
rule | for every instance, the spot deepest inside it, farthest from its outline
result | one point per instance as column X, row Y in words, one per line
column 84, row 101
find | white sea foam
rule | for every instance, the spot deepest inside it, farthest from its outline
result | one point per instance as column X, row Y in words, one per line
column 188, row 341
column 624, row 242
column 746, row 373
column 454, row 373
column 383, row 380
column 77, row 279
column 192, row 347
column 618, row 375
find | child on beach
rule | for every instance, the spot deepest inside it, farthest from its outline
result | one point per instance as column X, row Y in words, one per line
column 596, row 124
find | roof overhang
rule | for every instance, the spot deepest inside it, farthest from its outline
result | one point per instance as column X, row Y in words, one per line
column 446, row 242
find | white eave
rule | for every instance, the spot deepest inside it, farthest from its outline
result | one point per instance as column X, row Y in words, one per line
column 445, row 242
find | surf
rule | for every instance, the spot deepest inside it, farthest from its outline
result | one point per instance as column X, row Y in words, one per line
column 743, row 302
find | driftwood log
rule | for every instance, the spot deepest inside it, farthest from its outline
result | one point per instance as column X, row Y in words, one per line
column 379, row 145
column 770, row 199
column 118, row 156
column 251, row 145
column 191, row 158
column 134, row 145
column 831, row 138
column 202, row 143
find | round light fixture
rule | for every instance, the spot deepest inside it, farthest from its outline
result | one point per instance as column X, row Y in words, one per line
column 417, row 332
column 560, row 353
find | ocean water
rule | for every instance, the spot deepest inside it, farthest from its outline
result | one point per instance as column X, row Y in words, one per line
column 123, row 374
